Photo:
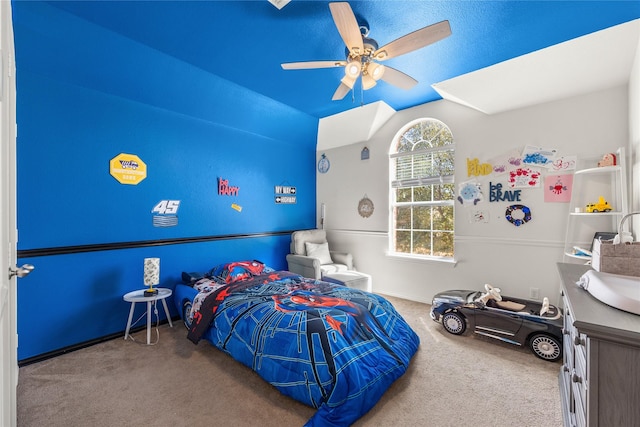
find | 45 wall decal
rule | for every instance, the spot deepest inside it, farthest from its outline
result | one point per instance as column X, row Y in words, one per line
column 166, row 213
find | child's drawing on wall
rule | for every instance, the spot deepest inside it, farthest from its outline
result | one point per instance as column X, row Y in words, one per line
column 506, row 162
column 564, row 163
column 557, row 188
column 470, row 193
column 524, row 177
column 538, row 156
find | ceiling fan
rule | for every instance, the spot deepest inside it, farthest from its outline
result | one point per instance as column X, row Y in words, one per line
column 363, row 53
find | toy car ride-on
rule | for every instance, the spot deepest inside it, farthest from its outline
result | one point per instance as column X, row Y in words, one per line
column 512, row 320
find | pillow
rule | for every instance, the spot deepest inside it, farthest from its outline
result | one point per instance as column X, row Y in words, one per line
column 235, row 271
column 191, row 278
column 207, row 285
column 319, row 250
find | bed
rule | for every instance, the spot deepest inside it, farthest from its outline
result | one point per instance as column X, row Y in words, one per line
column 331, row 347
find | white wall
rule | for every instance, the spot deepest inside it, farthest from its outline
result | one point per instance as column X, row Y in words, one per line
column 513, row 258
column 634, row 139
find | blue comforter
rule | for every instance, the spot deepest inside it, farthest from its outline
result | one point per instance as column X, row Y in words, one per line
column 332, row 347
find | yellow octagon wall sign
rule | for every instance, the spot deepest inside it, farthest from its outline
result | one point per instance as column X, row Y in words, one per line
column 128, row 169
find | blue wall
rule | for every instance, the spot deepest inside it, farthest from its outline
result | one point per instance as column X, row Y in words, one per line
column 85, row 95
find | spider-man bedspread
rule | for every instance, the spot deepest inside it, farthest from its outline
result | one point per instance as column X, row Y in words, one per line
column 332, row 347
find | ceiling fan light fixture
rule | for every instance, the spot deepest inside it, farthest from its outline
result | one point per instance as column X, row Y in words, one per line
column 375, row 70
column 348, row 81
column 353, row 68
column 368, row 82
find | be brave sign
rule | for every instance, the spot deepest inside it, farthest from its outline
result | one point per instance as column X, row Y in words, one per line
column 127, row 169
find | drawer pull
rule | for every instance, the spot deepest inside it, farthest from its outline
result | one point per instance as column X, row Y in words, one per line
column 565, row 332
column 576, row 378
column 578, row 341
column 565, row 368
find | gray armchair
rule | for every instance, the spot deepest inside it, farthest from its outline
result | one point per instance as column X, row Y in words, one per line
column 310, row 255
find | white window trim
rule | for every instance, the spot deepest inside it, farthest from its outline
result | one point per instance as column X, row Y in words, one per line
column 443, row 179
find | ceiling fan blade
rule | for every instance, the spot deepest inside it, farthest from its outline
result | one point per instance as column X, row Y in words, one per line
column 398, row 78
column 413, row 41
column 312, row 64
column 341, row 92
column 347, row 26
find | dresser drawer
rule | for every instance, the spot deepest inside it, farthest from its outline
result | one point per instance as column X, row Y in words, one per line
column 578, row 394
column 580, row 418
column 579, row 378
column 579, row 344
column 567, row 349
column 568, row 317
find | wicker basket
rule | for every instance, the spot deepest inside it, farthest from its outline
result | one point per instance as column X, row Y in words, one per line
column 619, row 256
column 623, row 258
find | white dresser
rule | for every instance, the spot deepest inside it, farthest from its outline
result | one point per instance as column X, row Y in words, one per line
column 600, row 375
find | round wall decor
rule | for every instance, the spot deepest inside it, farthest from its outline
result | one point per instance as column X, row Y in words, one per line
column 520, row 220
column 365, row 207
column 323, row 164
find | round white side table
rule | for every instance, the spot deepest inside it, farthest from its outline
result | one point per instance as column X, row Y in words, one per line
column 138, row 296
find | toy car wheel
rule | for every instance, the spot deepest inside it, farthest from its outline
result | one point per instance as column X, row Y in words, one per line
column 546, row 347
column 187, row 316
column 454, row 323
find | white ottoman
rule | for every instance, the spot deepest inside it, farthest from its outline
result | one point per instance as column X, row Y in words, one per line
column 350, row 278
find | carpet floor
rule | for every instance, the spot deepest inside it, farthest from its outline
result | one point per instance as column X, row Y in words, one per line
column 458, row 381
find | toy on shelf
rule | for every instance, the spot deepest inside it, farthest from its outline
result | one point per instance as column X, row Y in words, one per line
column 601, row 206
column 578, row 251
column 609, row 159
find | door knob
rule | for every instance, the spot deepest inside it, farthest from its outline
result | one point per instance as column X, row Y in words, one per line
column 21, row 271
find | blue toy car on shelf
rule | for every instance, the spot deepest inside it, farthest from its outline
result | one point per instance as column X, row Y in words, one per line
column 512, row 320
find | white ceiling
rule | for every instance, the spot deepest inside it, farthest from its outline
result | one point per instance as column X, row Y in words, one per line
column 339, row 129
column 594, row 62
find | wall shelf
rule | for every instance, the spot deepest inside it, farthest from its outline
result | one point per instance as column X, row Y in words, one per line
column 589, row 184
column 602, row 169
column 595, row 215
column 582, row 257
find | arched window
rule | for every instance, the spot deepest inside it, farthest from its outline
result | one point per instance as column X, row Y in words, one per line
column 421, row 166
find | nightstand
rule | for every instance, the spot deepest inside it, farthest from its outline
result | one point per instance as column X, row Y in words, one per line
column 138, row 296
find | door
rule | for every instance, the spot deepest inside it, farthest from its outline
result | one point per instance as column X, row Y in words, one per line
column 8, row 317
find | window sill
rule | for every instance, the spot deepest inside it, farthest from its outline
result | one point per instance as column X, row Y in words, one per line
column 421, row 258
